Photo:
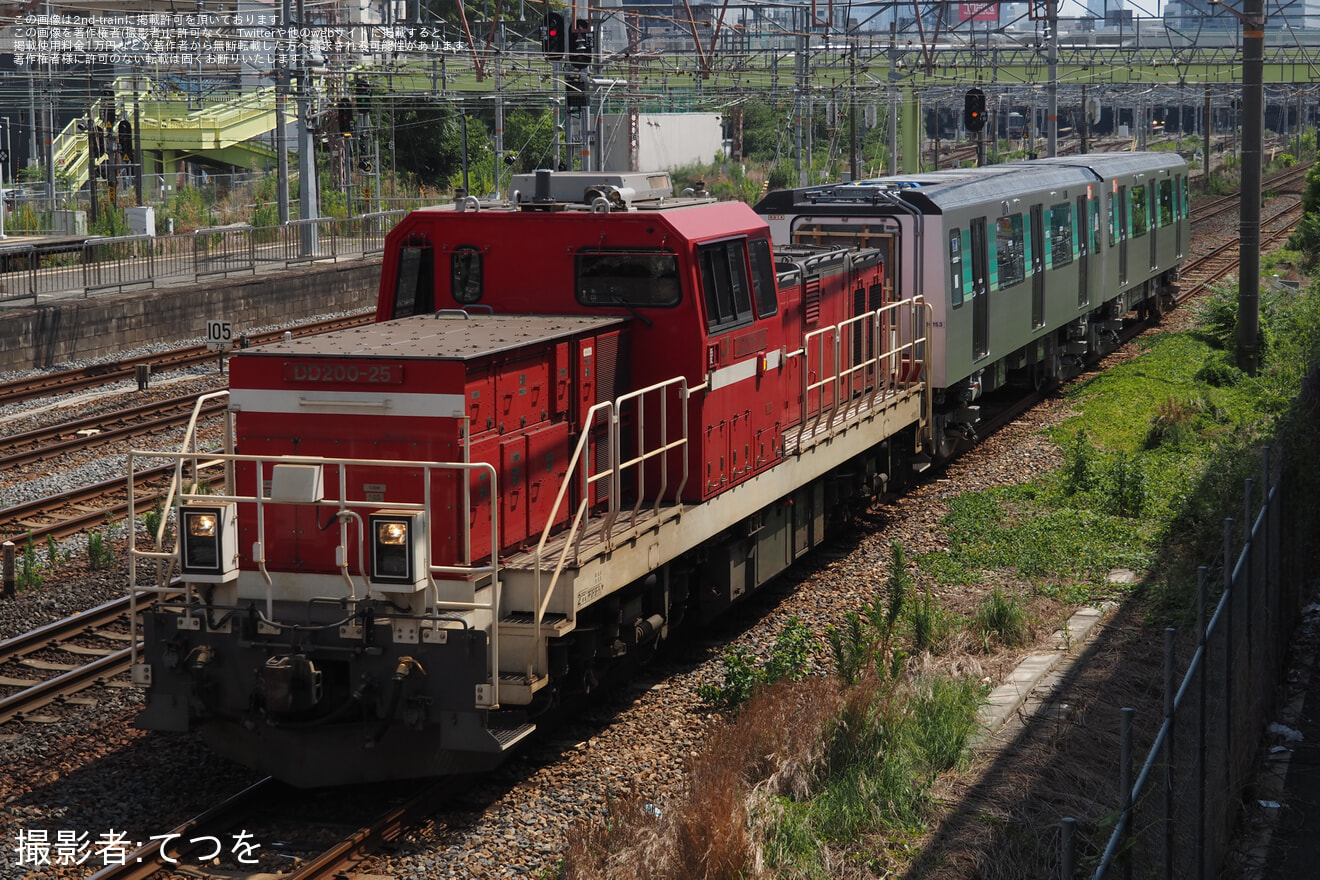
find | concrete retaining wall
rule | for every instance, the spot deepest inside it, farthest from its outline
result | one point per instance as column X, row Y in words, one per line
column 64, row 330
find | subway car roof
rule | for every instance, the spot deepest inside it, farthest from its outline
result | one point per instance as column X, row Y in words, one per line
column 935, row 192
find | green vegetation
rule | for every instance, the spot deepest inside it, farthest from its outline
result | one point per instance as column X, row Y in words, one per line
column 99, row 554
column 815, row 773
column 29, row 574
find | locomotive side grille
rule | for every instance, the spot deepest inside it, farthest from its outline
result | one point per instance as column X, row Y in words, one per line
column 811, row 299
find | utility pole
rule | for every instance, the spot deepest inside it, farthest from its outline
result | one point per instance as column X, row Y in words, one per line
column 307, row 186
column 1052, row 86
column 1253, row 96
column 852, row 108
column 893, row 98
column 799, row 64
column 281, row 125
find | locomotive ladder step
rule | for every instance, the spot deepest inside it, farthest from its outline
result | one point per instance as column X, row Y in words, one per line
column 552, row 624
column 517, row 690
column 508, row 737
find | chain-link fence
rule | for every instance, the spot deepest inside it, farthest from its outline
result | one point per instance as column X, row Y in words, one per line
column 1179, row 807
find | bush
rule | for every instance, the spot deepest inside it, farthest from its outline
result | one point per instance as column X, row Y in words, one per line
column 1220, row 372
column 1002, row 618
column 1172, row 426
column 788, row 661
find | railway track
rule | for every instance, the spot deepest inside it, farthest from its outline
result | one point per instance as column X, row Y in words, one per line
column 104, row 374
column 105, row 626
column 1287, row 180
column 241, row 820
column 1200, row 272
column 78, row 510
column 80, row 435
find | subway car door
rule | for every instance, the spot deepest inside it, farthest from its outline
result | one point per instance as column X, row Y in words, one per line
column 1153, row 222
column 1082, row 218
column 1122, row 214
column 980, row 291
column 1036, row 255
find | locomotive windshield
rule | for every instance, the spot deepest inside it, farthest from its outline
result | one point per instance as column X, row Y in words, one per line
column 627, row 278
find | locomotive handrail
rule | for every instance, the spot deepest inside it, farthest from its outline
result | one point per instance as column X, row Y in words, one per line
column 543, row 602
column 614, row 472
column 167, row 504
column 904, row 338
column 679, row 382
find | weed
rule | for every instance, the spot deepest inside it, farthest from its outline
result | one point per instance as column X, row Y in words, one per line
column 1173, row 425
column 1002, row 618
column 927, row 623
column 788, row 661
column 99, row 555
column 29, row 569
column 152, row 518
column 1219, row 372
column 1125, row 485
column 1077, row 464
column 944, row 719
column 868, row 638
column 53, row 554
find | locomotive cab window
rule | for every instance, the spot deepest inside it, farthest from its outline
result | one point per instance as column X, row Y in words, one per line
column 633, row 278
column 465, row 276
column 724, row 284
column 763, row 278
column 412, row 282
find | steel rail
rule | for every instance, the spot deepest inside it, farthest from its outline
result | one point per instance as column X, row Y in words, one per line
column 46, row 443
column 148, row 860
column 49, row 636
column 103, row 374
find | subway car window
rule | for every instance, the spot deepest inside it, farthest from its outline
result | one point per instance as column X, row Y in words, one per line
column 763, row 278
column 1061, row 234
column 724, row 284
column 1140, row 218
column 628, row 278
column 465, row 275
column 1011, row 250
column 1166, row 202
column 955, row 268
column 412, row 283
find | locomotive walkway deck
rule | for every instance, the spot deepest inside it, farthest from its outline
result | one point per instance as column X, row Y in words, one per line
column 655, row 533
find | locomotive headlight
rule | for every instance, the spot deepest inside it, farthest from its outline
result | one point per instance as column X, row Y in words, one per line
column 202, row 524
column 209, row 539
column 397, row 549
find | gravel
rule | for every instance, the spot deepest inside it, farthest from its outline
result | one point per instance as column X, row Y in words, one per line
column 88, row 771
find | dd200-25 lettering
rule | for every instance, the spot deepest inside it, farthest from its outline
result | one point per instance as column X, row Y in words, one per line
column 345, row 373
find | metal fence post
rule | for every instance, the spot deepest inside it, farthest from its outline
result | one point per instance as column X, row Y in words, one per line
column 1067, row 848
column 1202, row 598
column 1170, row 685
column 1229, row 619
column 1125, row 784
column 1248, row 556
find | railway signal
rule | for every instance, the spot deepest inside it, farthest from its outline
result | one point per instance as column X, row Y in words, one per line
column 974, row 110
column 553, row 35
column 582, row 45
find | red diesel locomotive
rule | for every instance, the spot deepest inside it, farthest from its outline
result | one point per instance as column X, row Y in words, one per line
column 583, row 418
